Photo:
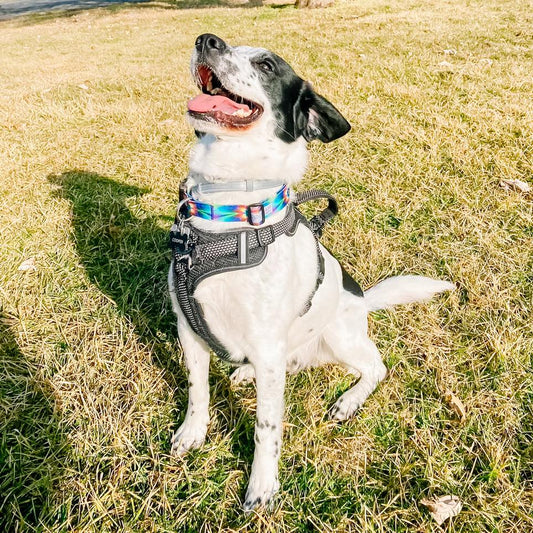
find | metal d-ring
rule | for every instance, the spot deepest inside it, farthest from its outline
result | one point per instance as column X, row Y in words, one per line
column 178, row 210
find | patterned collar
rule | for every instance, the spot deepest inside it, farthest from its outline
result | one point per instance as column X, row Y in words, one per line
column 254, row 214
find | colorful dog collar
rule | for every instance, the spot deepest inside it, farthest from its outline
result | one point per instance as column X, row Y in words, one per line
column 254, row 214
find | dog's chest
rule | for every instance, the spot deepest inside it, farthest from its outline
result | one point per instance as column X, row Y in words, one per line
column 245, row 309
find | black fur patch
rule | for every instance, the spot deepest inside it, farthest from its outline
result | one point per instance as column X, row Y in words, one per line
column 298, row 109
column 350, row 284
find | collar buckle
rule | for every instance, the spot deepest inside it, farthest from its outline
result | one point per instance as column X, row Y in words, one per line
column 255, row 214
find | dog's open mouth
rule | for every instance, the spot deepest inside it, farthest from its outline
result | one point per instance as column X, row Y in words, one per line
column 218, row 104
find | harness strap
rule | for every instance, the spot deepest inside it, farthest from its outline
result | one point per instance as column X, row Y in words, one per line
column 192, row 311
column 234, row 244
column 317, row 222
column 321, row 272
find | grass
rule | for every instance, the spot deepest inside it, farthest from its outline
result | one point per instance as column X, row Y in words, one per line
column 93, row 143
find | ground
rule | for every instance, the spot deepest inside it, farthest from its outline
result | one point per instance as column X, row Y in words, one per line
column 93, row 144
column 15, row 8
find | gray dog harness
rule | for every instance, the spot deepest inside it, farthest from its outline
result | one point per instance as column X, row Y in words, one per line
column 199, row 254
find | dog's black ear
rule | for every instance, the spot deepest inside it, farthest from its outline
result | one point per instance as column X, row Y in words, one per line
column 316, row 118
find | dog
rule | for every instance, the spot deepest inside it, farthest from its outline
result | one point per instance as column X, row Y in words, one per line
column 254, row 119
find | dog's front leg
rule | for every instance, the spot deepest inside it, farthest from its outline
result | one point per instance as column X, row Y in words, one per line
column 191, row 434
column 270, row 370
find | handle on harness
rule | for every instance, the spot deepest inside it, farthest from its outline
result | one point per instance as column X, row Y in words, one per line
column 318, row 222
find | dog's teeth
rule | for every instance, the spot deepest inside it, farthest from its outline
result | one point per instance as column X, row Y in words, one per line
column 209, row 85
column 241, row 113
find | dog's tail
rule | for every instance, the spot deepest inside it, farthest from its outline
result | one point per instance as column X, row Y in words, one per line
column 403, row 290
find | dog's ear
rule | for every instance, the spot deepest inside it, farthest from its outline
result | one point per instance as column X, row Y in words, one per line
column 316, row 118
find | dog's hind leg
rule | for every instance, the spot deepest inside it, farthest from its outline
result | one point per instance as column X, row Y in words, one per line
column 191, row 434
column 346, row 337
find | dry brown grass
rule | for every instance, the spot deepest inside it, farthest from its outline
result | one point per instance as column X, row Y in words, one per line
column 92, row 145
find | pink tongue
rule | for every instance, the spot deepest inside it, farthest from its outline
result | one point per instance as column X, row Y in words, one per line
column 205, row 102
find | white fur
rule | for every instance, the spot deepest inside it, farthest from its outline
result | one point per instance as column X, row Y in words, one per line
column 403, row 290
column 255, row 313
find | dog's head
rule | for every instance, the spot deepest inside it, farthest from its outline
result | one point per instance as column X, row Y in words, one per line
column 247, row 90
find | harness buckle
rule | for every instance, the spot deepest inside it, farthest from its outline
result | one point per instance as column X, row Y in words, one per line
column 317, row 224
column 265, row 236
column 181, row 243
column 256, row 214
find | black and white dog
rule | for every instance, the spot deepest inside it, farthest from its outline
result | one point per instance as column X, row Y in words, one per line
column 254, row 119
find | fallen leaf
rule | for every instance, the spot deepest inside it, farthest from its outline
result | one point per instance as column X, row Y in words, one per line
column 515, row 185
column 28, row 265
column 456, row 404
column 443, row 508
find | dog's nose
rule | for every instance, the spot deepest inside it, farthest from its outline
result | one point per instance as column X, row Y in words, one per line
column 208, row 42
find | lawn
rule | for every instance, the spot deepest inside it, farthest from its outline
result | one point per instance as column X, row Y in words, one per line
column 93, row 143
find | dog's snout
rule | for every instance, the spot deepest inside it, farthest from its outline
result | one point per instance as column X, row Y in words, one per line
column 208, row 42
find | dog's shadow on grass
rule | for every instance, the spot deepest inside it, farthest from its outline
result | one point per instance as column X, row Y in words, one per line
column 126, row 255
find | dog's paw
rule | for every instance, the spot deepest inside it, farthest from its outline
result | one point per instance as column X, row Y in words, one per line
column 242, row 375
column 188, row 437
column 260, row 493
column 345, row 407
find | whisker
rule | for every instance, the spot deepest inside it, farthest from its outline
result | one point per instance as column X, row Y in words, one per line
column 285, row 131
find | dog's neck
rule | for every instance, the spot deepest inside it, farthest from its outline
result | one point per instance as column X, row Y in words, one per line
column 225, row 159
column 230, row 159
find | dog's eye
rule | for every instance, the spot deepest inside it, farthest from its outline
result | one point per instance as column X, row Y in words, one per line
column 265, row 65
